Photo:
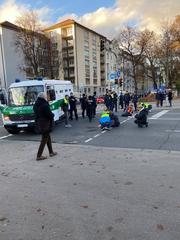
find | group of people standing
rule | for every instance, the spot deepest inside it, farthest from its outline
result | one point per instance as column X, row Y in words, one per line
column 164, row 95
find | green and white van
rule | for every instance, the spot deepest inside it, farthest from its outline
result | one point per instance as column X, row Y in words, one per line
column 18, row 113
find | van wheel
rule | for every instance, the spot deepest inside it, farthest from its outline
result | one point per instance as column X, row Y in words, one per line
column 13, row 130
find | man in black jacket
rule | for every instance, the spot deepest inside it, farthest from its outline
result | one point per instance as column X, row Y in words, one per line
column 43, row 119
column 73, row 108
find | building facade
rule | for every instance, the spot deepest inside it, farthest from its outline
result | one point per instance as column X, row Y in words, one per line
column 86, row 62
column 10, row 59
column 70, row 52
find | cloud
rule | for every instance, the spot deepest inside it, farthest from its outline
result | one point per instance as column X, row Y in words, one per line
column 107, row 21
column 141, row 13
column 10, row 10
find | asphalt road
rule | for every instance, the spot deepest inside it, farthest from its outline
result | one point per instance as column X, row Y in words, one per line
column 102, row 185
column 163, row 132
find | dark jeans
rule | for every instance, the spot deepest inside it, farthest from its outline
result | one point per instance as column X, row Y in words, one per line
column 121, row 104
column 170, row 103
column 94, row 111
column 46, row 139
column 161, row 102
column 66, row 117
column 135, row 106
column 75, row 113
column 83, row 112
column 115, row 106
column 90, row 113
column 126, row 105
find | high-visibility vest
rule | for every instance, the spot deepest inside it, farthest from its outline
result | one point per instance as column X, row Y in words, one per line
column 66, row 101
column 105, row 114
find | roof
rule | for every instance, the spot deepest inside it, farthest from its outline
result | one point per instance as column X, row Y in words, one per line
column 27, row 83
column 69, row 22
column 9, row 25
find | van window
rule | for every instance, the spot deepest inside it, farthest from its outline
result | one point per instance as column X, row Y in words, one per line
column 70, row 90
column 51, row 93
column 61, row 91
column 66, row 90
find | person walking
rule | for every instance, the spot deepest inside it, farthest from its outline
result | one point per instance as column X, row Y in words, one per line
column 135, row 101
column 43, row 121
column 73, row 108
column 161, row 98
column 127, row 99
column 157, row 99
column 121, row 100
column 84, row 104
column 170, row 97
column 65, row 108
column 115, row 100
column 90, row 108
column 94, row 104
column 107, row 99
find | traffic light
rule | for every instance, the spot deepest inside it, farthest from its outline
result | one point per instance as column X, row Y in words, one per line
column 120, row 82
column 116, row 81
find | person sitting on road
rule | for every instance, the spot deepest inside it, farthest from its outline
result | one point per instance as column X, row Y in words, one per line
column 128, row 111
column 141, row 118
column 105, row 120
column 115, row 120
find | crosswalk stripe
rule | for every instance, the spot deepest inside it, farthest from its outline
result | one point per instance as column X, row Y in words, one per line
column 159, row 114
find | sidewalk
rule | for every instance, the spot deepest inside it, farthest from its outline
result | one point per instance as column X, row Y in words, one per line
column 88, row 193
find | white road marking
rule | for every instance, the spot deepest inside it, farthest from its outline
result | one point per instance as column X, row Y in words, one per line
column 175, row 131
column 165, row 119
column 88, row 140
column 97, row 135
column 104, row 131
column 5, row 136
column 159, row 114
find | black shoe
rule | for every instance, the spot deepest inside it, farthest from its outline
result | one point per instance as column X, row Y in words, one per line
column 41, row 158
column 53, row 154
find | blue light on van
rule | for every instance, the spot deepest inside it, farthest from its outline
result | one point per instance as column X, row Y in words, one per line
column 39, row 78
column 17, row 80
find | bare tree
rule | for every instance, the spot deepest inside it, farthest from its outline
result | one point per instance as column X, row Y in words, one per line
column 133, row 43
column 168, row 55
column 175, row 29
column 151, row 54
column 31, row 42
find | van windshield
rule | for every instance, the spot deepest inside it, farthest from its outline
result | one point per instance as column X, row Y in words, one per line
column 24, row 96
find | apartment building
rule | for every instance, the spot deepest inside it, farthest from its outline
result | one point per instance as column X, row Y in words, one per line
column 15, row 65
column 68, row 51
column 10, row 59
column 85, row 58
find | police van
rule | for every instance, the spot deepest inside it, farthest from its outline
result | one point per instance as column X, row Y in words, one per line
column 18, row 114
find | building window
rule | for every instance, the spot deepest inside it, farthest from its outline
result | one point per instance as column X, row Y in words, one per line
column 71, row 62
column 87, row 81
column 86, row 43
column 69, row 31
column 86, row 53
column 86, row 35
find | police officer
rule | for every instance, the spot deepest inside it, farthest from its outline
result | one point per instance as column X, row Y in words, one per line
column 73, row 108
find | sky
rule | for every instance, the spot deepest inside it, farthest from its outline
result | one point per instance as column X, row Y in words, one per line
column 103, row 16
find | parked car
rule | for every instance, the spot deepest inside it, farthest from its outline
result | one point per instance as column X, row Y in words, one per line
column 100, row 99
